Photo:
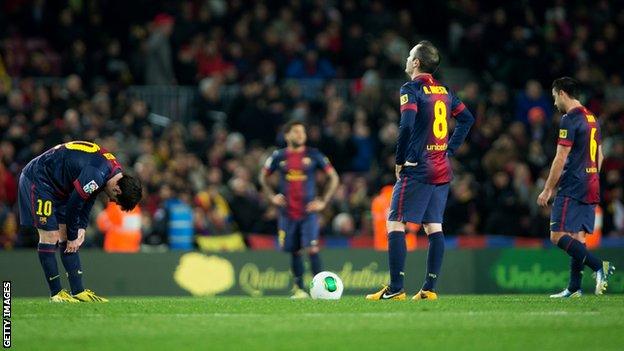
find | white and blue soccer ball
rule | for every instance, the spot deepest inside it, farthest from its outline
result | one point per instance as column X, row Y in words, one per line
column 326, row 286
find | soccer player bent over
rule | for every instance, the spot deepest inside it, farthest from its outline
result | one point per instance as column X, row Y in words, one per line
column 575, row 168
column 423, row 168
column 298, row 223
column 56, row 193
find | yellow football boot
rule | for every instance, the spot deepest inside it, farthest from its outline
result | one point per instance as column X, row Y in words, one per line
column 299, row 294
column 63, row 296
column 89, row 296
column 385, row 294
column 425, row 295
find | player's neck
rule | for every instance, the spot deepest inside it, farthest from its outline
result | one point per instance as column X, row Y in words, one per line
column 291, row 148
column 573, row 104
column 419, row 74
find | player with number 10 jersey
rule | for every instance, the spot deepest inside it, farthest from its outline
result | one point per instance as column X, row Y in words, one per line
column 57, row 190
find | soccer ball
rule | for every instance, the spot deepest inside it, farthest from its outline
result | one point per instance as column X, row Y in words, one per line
column 326, row 286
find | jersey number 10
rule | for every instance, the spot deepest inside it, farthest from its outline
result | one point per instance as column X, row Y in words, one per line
column 83, row 146
column 44, row 208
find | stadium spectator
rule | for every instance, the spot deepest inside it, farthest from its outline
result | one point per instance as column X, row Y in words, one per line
column 66, row 75
column 159, row 62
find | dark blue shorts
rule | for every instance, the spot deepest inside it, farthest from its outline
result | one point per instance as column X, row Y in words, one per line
column 572, row 216
column 416, row 202
column 295, row 234
column 39, row 207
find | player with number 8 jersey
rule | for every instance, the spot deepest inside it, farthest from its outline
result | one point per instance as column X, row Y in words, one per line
column 56, row 193
column 423, row 168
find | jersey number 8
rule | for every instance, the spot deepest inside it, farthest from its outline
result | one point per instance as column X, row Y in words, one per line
column 440, row 127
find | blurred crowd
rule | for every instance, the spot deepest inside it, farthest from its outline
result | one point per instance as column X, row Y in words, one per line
column 66, row 68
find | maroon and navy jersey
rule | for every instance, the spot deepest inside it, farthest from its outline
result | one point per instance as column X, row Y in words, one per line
column 580, row 130
column 297, row 176
column 424, row 139
column 78, row 165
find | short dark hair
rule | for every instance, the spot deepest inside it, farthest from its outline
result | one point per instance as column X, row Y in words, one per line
column 428, row 55
column 571, row 86
column 131, row 192
column 288, row 126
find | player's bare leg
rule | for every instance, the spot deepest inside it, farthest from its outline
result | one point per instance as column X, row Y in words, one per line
column 47, row 257
column 71, row 262
column 397, row 250
column 435, row 255
column 577, row 250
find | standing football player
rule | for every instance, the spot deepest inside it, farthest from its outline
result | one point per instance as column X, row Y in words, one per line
column 298, row 222
column 56, row 193
column 423, row 169
column 575, row 168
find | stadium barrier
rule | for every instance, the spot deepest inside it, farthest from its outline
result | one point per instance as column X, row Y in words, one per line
column 259, row 273
column 270, row 242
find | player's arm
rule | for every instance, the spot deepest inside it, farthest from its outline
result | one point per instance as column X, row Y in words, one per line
column 555, row 173
column 600, row 154
column 566, row 140
column 80, row 203
column 269, row 167
column 600, row 157
column 83, row 216
column 409, row 108
column 464, row 119
column 320, row 204
column 330, row 190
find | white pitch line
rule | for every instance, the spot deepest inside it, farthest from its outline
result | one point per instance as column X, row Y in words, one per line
column 316, row 314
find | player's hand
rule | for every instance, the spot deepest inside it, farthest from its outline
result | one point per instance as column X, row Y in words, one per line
column 279, row 200
column 74, row 245
column 397, row 171
column 544, row 196
column 316, row 206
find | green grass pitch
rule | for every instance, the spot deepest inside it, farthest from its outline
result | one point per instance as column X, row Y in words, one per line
column 509, row 322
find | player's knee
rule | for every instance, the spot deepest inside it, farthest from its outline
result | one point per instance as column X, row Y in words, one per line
column 580, row 236
column 49, row 237
column 62, row 232
column 431, row 228
column 555, row 236
column 312, row 250
column 394, row 226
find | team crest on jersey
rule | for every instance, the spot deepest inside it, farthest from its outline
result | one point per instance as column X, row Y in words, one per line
column 404, row 99
column 563, row 133
column 282, row 164
column 306, row 161
column 90, row 187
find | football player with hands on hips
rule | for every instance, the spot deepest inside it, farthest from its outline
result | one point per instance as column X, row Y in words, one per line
column 423, row 168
